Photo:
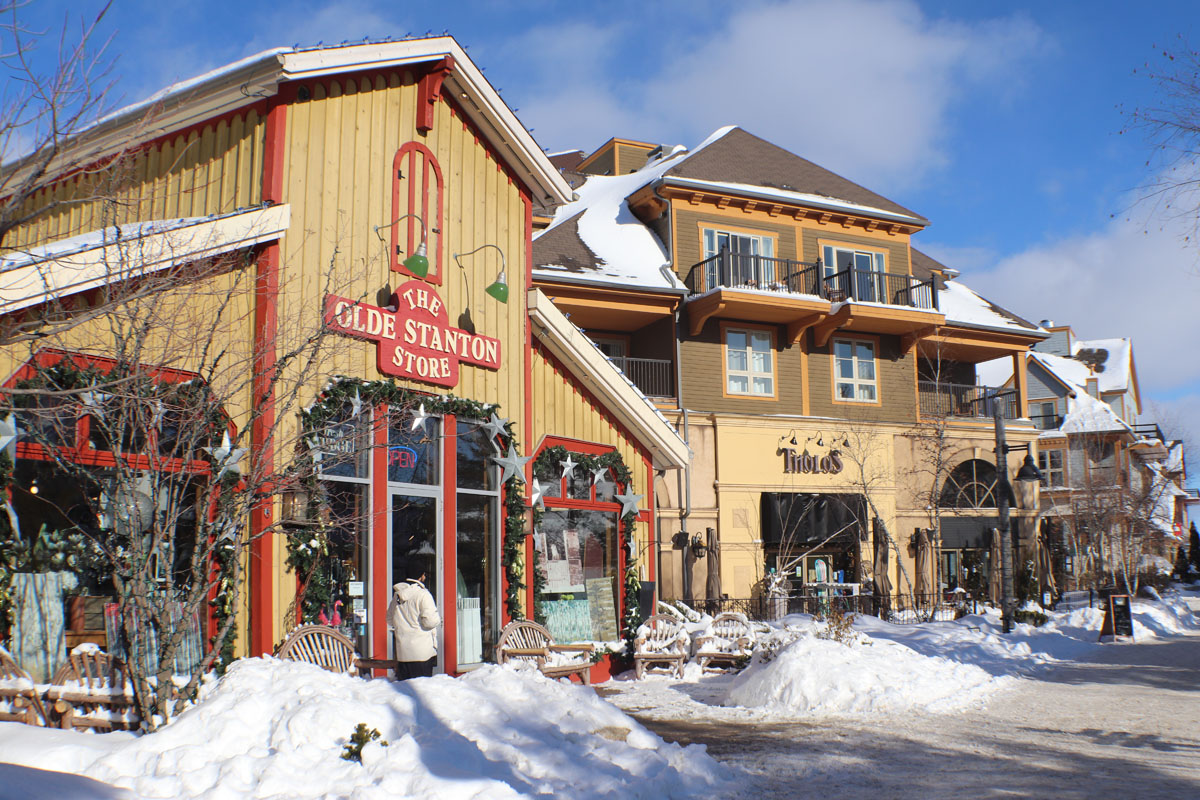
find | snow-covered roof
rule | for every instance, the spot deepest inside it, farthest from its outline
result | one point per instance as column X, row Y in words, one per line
column 1110, row 359
column 1086, row 414
column 110, row 255
column 616, row 247
column 963, row 306
column 996, row 372
column 250, row 80
column 788, row 196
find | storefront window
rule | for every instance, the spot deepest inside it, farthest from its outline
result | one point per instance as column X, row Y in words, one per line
column 413, row 452
column 578, row 551
column 476, row 548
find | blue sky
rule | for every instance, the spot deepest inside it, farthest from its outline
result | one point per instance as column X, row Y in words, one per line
column 1001, row 123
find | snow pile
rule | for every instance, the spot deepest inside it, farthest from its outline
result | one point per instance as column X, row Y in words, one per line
column 811, row 676
column 276, row 729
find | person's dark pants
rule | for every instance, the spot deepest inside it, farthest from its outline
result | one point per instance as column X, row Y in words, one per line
column 415, row 669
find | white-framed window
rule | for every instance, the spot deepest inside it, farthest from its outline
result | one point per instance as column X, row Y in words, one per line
column 1045, row 414
column 1050, row 464
column 859, row 272
column 749, row 362
column 744, row 266
column 854, row 371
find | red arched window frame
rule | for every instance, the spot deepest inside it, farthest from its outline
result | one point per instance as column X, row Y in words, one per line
column 417, row 189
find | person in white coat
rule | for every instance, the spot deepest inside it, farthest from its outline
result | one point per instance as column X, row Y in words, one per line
column 413, row 618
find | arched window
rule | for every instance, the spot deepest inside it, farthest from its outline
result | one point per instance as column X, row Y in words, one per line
column 972, row 484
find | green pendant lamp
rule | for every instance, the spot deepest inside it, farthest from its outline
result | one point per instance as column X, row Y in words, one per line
column 499, row 289
column 418, row 262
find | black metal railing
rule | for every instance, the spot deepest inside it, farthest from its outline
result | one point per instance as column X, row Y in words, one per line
column 747, row 271
column 937, row 399
column 655, row 377
column 1149, row 430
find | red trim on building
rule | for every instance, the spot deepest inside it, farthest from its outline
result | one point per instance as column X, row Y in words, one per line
column 262, row 451
column 380, row 582
column 449, row 540
column 408, row 158
column 429, row 91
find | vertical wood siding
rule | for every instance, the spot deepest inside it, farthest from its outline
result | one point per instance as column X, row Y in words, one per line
column 212, row 170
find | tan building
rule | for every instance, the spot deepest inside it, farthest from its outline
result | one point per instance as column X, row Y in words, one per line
column 821, row 369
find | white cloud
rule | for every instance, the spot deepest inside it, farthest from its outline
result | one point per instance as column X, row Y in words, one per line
column 864, row 87
column 1124, row 280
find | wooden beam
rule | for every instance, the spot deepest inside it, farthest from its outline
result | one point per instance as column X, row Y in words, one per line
column 847, row 221
column 824, row 330
column 796, row 328
column 774, row 211
column 722, row 202
column 749, row 206
column 872, row 225
column 696, row 198
column 909, row 340
column 824, row 218
column 799, row 214
column 698, row 320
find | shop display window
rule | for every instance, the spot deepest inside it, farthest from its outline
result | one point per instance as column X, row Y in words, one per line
column 477, row 549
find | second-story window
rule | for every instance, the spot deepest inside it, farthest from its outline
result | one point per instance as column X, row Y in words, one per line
column 854, row 371
column 854, row 273
column 748, row 263
column 749, row 362
column 1050, row 464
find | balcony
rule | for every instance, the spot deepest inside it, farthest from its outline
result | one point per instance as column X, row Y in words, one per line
column 964, row 401
column 654, row 377
column 1047, row 422
column 728, row 270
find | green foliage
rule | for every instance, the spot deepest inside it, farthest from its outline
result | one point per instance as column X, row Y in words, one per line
column 975, row 577
column 1181, row 563
column 358, row 740
column 1026, row 586
column 1028, row 617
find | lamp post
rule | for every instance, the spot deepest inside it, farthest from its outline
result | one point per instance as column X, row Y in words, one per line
column 1027, row 472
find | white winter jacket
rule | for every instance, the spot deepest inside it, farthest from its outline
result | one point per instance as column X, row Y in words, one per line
column 413, row 618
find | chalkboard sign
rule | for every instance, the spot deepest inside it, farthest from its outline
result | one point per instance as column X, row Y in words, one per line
column 1118, row 618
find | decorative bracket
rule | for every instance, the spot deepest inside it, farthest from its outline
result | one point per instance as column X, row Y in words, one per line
column 429, row 92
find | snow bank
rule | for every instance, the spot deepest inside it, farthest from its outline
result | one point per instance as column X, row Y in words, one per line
column 810, row 676
column 276, row 729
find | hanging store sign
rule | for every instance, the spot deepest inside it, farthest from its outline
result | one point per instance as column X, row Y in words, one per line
column 415, row 341
column 801, row 463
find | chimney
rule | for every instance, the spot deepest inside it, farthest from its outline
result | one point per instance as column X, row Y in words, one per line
column 1093, row 387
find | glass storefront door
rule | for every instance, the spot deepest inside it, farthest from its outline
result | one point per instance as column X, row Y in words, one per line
column 413, row 539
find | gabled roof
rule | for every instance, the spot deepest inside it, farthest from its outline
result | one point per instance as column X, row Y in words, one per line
column 251, row 79
column 739, row 157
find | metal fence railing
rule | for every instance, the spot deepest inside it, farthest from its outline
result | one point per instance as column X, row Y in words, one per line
column 938, row 399
column 655, row 377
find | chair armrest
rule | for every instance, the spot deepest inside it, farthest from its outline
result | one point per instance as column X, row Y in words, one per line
column 568, row 648
column 526, row 651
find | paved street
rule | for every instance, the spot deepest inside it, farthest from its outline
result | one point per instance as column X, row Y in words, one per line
column 1124, row 724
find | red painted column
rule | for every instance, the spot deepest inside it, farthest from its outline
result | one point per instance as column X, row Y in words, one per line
column 449, row 545
column 380, row 586
column 262, row 455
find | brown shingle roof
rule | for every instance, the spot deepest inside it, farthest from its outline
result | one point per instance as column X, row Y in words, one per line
column 561, row 248
column 741, row 157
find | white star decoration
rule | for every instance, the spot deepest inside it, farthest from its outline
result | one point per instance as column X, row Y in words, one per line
column 420, row 416
column 568, row 466
column 356, row 404
column 93, row 403
column 495, row 425
column 599, row 474
column 629, row 502
column 536, row 495
column 226, row 457
column 8, row 436
column 514, row 465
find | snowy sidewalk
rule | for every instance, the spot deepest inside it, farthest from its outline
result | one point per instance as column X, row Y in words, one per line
column 1121, row 721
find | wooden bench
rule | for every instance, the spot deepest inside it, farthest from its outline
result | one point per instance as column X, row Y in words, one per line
column 93, row 691
column 661, row 639
column 529, row 641
column 20, row 700
column 730, row 640
column 321, row 645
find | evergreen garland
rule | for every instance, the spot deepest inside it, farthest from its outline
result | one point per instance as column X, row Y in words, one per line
column 308, row 549
column 550, row 459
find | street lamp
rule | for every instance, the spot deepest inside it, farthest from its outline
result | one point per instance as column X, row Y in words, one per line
column 1027, row 472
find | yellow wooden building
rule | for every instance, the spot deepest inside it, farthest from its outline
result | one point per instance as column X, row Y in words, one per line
column 379, row 197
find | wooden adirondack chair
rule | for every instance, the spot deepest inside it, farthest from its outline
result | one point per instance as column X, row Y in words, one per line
column 730, row 639
column 92, row 690
column 661, row 639
column 20, row 700
column 529, row 641
column 326, row 647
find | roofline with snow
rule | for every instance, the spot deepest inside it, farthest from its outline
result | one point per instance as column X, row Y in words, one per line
column 593, row 369
column 550, row 276
column 835, row 206
column 259, row 77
